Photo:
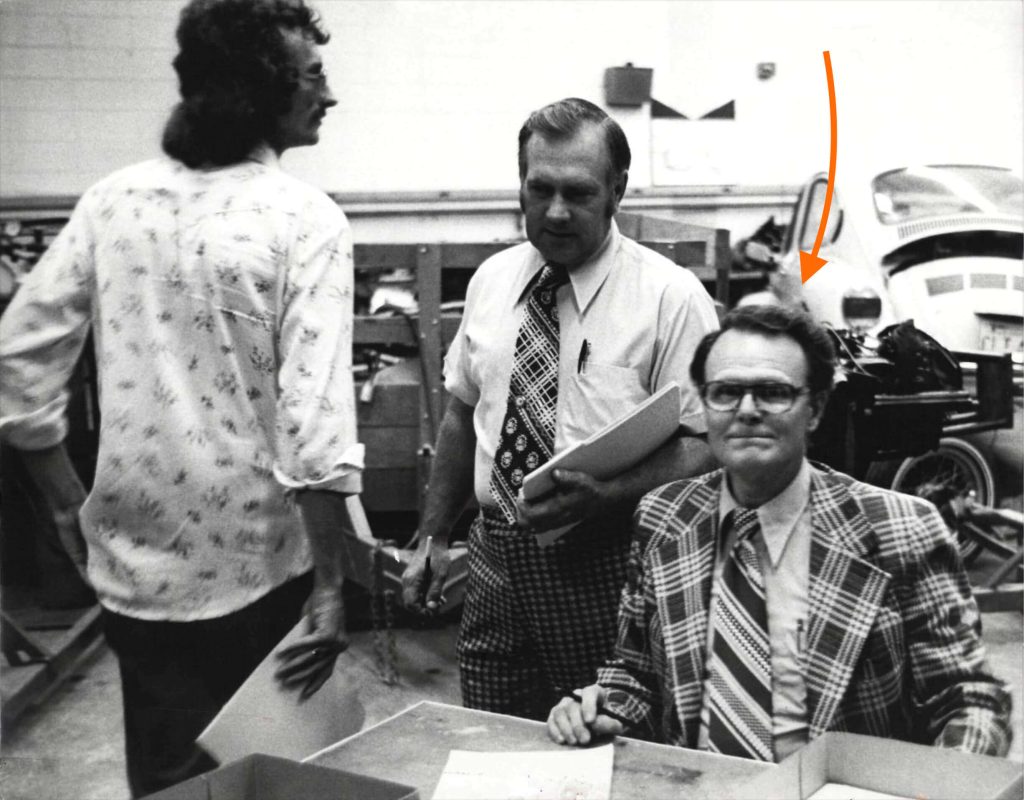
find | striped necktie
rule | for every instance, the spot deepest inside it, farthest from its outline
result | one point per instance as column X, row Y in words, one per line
column 740, row 701
column 528, row 430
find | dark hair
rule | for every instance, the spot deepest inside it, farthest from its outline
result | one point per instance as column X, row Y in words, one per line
column 235, row 76
column 771, row 321
column 564, row 118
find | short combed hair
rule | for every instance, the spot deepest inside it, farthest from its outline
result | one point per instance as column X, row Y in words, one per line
column 235, row 76
column 564, row 118
column 772, row 321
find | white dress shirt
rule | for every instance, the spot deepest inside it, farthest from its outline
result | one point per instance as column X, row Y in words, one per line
column 640, row 315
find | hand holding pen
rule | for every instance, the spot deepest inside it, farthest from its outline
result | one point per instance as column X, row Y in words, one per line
column 424, row 578
column 582, row 716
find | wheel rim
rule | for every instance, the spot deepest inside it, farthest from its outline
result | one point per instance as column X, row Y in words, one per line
column 954, row 469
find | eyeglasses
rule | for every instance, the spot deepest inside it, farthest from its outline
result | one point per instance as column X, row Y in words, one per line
column 769, row 398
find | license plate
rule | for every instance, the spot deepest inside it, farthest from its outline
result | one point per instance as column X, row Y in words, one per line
column 1001, row 336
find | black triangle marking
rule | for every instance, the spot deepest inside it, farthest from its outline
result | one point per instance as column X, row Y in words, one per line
column 727, row 111
column 661, row 111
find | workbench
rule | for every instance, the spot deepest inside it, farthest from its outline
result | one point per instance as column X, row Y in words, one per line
column 412, row 748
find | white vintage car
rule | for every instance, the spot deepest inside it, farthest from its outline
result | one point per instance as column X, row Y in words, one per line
column 940, row 244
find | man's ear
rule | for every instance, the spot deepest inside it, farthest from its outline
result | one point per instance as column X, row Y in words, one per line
column 620, row 187
column 819, row 400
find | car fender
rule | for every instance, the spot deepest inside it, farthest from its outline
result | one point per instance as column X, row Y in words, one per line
column 823, row 292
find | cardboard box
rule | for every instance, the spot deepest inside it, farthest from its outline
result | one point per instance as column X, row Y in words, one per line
column 893, row 768
column 260, row 777
column 627, row 86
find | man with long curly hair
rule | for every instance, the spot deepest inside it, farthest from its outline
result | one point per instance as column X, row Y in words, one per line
column 219, row 294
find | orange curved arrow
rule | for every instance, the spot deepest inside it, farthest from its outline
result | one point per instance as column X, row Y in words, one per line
column 810, row 262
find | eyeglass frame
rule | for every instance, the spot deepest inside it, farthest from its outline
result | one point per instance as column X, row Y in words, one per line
column 751, row 389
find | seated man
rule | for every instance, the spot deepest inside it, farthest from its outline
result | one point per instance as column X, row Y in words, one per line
column 774, row 600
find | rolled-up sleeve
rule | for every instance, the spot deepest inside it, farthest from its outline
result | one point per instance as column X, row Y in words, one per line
column 316, row 434
column 41, row 337
column 458, row 378
column 456, row 370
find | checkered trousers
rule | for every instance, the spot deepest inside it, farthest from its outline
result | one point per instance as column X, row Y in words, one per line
column 538, row 621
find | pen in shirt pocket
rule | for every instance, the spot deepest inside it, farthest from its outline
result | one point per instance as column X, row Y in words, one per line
column 581, row 364
column 801, row 637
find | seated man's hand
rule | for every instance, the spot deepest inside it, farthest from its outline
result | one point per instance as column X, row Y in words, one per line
column 424, row 577
column 576, row 722
column 308, row 662
column 577, row 496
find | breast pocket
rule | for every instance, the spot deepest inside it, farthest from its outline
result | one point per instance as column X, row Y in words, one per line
column 598, row 395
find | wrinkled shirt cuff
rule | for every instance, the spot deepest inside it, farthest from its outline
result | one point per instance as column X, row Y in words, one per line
column 37, row 430
column 345, row 476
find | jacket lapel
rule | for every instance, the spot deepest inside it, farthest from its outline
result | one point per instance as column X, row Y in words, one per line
column 845, row 593
column 681, row 570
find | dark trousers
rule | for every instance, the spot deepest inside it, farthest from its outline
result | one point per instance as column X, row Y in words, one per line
column 176, row 676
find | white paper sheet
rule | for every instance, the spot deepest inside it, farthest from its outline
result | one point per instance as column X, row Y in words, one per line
column 566, row 774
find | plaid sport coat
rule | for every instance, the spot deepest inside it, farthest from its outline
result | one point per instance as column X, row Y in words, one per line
column 893, row 634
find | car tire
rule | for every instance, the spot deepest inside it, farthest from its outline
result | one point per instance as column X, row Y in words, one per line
column 954, row 467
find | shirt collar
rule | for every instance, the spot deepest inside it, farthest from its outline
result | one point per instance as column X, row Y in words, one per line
column 779, row 516
column 587, row 278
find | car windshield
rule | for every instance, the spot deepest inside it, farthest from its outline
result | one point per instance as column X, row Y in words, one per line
column 918, row 192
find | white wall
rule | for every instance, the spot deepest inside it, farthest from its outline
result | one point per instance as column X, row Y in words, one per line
column 84, row 88
column 907, row 74
column 432, row 93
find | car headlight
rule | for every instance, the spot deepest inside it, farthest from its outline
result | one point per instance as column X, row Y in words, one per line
column 862, row 308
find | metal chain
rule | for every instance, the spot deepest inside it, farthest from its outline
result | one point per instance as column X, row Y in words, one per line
column 391, row 674
column 385, row 649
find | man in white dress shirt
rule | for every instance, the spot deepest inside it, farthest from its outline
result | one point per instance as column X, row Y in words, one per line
column 617, row 323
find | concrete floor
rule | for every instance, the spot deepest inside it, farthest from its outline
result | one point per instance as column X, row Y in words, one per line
column 71, row 747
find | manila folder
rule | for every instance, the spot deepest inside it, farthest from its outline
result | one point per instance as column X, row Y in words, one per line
column 618, row 446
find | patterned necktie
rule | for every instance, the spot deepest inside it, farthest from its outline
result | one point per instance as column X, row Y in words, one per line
column 528, row 430
column 740, row 701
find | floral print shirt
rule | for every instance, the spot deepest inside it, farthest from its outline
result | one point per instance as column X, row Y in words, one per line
column 221, row 307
